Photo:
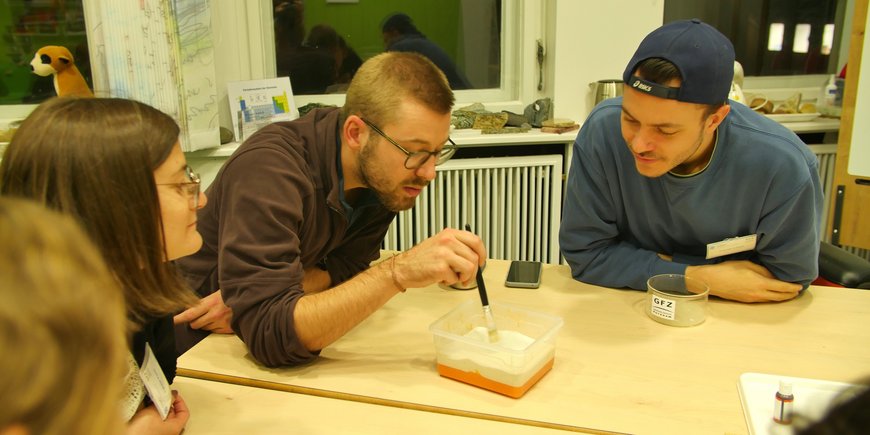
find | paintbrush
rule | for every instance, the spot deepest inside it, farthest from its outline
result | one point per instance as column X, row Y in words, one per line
column 484, row 300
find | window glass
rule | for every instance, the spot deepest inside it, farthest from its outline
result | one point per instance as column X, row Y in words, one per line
column 320, row 44
column 772, row 37
column 27, row 26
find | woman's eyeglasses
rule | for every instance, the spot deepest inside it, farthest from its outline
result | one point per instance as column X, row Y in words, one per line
column 417, row 159
column 190, row 188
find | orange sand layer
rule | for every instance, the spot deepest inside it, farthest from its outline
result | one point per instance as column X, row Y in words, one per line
column 474, row 378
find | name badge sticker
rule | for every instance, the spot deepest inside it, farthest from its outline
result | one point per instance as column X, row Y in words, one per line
column 731, row 246
column 155, row 382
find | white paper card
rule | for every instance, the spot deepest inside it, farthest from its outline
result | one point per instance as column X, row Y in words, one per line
column 731, row 246
column 256, row 103
column 155, row 383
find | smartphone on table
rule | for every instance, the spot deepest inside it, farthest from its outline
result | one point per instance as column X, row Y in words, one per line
column 524, row 274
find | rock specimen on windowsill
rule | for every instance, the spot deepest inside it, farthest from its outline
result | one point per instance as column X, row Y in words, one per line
column 539, row 111
column 490, row 120
column 559, row 125
column 226, row 135
column 515, row 119
column 462, row 120
column 477, row 117
column 507, row 130
column 463, row 117
column 473, row 107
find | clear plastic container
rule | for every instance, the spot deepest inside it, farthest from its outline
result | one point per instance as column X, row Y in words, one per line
column 677, row 300
column 507, row 366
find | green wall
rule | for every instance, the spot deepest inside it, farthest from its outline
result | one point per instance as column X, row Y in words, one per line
column 360, row 23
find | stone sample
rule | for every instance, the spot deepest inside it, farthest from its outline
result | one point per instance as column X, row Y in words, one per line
column 515, row 119
column 226, row 135
column 559, row 125
column 462, row 119
column 490, row 120
column 539, row 111
column 560, row 130
column 473, row 107
column 558, row 122
column 507, row 130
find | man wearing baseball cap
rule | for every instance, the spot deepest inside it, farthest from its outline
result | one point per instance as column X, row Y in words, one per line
column 671, row 178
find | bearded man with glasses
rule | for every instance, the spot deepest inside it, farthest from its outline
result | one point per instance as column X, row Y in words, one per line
column 298, row 213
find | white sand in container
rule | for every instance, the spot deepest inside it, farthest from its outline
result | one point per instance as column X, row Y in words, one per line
column 512, row 340
column 507, row 361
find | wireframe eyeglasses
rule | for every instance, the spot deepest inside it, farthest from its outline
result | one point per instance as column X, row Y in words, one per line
column 191, row 188
column 415, row 160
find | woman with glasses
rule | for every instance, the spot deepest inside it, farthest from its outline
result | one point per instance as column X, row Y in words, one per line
column 116, row 166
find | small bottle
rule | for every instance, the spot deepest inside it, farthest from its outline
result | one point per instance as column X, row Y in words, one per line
column 830, row 93
column 784, row 404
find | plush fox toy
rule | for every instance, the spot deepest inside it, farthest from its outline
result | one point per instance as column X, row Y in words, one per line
column 58, row 61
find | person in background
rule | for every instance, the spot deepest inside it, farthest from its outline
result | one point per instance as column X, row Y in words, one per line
column 298, row 213
column 62, row 327
column 116, row 166
column 287, row 19
column 671, row 178
column 400, row 34
column 324, row 37
column 311, row 70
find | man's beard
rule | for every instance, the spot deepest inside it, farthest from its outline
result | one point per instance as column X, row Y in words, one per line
column 391, row 197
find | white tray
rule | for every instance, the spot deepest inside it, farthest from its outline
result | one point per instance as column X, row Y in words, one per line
column 793, row 117
column 812, row 399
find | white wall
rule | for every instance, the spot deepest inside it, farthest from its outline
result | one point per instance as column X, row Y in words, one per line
column 594, row 41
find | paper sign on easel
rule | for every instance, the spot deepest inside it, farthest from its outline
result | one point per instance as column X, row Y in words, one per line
column 257, row 103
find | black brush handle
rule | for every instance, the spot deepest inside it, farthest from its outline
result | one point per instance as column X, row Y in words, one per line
column 481, row 287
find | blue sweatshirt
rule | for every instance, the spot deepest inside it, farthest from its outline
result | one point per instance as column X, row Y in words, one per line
column 762, row 180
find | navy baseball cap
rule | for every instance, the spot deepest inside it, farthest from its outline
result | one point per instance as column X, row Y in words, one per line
column 703, row 55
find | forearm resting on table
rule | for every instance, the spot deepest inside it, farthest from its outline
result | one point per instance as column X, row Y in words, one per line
column 323, row 317
column 743, row 281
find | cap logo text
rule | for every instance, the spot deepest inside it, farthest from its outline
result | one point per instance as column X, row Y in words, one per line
column 641, row 86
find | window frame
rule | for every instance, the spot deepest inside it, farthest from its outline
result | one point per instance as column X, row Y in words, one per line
column 521, row 17
column 244, row 33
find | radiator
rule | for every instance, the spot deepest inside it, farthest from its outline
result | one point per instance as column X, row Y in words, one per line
column 513, row 203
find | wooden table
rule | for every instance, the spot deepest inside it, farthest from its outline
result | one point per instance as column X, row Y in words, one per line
column 221, row 408
column 615, row 368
